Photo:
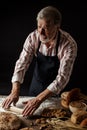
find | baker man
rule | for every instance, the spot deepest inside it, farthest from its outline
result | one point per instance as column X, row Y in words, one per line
column 55, row 51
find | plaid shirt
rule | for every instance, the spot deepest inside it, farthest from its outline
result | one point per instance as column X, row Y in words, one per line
column 67, row 52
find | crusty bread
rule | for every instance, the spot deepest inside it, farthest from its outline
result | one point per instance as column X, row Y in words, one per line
column 60, row 112
column 78, row 116
column 69, row 96
column 26, row 128
column 64, row 103
column 73, row 95
column 84, row 123
column 9, row 121
column 64, row 95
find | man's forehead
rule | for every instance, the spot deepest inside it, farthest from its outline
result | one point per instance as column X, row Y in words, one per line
column 49, row 21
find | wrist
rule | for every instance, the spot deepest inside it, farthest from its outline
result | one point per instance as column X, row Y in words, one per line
column 44, row 95
column 15, row 87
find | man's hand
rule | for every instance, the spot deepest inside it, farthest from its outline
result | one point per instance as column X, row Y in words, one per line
column 30, row 106
column 12, row 98
column 34, row 103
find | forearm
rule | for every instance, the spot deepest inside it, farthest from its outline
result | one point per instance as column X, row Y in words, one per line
column 44, row 95
column 67, row 59
column 15, row 88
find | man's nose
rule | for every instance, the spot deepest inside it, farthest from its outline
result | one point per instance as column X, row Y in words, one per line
column 42, row 31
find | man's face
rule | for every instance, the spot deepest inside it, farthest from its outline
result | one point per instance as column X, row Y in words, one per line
column 46, row 30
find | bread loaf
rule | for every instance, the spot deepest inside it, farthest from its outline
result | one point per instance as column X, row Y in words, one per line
column 64, row 103
column 69, row 96
column 78, row 116
column 73, row 95
column 9, row 121
column 64, row 95
column 26, row 128
column 84, row 123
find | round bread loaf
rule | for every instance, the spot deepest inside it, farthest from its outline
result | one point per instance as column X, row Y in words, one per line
column 9, row 121
column 73, row 95
column 69, row 96
column 64, row 95
column 78, row 116
column 64, row 103
column 27, row 128
column 84, row 123
column 77, row 105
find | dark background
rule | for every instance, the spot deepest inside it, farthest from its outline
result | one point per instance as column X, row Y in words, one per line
column 18, row 19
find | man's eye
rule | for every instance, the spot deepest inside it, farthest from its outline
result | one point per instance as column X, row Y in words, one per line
column 39, row 26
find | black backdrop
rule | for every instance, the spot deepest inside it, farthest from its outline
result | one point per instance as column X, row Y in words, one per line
column 18, row 19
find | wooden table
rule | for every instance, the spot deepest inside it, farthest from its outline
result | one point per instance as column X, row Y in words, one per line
column 57, row 123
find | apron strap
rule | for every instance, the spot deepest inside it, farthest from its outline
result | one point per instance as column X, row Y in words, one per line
column 58, row 39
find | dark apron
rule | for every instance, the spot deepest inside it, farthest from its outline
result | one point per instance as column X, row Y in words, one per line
column 46, row 70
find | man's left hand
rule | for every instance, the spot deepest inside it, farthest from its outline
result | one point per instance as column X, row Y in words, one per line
column 30, row 106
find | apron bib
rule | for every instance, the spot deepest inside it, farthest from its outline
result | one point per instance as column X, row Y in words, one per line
column 46, row 70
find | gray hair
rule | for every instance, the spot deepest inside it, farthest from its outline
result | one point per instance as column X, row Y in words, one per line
column 50, row 13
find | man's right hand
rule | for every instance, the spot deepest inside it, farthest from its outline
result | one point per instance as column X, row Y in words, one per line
column 13, row 97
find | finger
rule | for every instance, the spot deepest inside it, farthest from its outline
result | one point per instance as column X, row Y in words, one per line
column 32, row 111
column 3, row 103
column 29, row 113
column 7, row 103
column 26, row 111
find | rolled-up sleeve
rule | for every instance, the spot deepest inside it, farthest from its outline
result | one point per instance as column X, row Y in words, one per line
column 67, row 55
column 24, row 61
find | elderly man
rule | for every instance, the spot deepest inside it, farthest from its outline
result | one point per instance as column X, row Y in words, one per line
column 55, row 51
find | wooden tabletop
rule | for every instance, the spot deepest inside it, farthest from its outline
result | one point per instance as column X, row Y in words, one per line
column 54, row 123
